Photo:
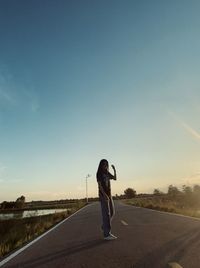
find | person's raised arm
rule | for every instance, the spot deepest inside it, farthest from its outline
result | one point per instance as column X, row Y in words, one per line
column 113, row 177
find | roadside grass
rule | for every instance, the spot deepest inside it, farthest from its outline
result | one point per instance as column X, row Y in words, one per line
column 163, row 203
column 15, row 233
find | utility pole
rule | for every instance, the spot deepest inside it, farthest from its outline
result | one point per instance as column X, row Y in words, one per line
column 87, row 176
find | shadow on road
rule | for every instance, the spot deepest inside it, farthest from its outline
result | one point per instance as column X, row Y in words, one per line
column 174, row 250
column 63, row 254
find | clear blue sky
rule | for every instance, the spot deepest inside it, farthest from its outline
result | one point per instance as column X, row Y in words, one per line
column 85, row 80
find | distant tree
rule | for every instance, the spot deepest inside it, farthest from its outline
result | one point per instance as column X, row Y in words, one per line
column 188, row 196
column 116, row 196
column 196, row 189
column 130, row 193
column 196, row 195
column 157, row 192
column 173, row 191
column 187, row 190
column 20, row 202
column 7, row 205
column 3, row 205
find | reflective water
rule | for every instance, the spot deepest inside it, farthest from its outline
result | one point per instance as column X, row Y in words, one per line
column 29, row 213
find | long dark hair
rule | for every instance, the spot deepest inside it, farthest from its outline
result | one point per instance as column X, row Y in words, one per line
column 100, row 170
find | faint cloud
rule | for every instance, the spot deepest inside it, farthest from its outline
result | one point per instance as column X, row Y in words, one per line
column 193, row 179
column 4, row 177
column 32, row 99
column 15, row 180
column 13, row 94
column 190, row 130
column 8, row 181
column 37, row 193
column 4, row 95
column 2, row 169
column 184, row 125
column 80, row 188
column 46, row 195
column 59, row 195
column 35, row 106
column 6, row 87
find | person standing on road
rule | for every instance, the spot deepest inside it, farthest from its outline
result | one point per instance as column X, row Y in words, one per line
column 107, row 206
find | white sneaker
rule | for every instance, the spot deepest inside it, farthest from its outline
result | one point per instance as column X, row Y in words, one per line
column 110, row 237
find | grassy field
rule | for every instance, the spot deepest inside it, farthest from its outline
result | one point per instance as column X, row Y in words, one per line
column 163, row 203
column 17, row 232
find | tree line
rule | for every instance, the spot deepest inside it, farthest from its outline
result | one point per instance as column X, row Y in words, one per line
column 185, row 196
column 19, row 203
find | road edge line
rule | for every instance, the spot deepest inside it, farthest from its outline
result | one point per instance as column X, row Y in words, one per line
column 17, row 252
column 170, row 213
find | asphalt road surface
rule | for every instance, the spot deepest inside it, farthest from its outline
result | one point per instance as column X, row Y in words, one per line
column 146, row 239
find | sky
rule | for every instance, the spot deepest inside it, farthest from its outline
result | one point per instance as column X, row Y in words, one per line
column 86, row 80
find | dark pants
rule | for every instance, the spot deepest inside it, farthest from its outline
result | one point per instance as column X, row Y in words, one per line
column 108, row 211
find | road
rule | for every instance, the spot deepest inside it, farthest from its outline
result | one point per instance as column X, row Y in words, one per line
column 146, row 239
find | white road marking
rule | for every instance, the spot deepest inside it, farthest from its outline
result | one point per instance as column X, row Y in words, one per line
column 174, row 265
column 124, row 223
column 35, row 240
